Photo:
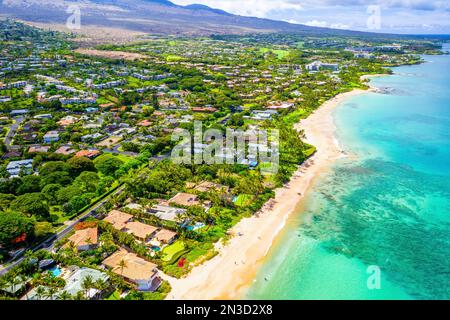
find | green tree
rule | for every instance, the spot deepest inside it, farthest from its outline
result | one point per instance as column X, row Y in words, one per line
column 58, row 177
column 87, row 181
column 87, row 284
column 31, row 204
column 42, row 229
column 63, row 195
column 5, row 200
column 14, row 225
column 108, row 164
column 80, row 164
column 53, row 166
column 29, row 184
column 50, row 192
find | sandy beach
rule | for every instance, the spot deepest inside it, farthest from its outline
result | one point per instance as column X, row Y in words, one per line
column 227, row 275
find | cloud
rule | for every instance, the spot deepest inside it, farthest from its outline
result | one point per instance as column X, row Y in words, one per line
column 254, row 8
column 398, row 16
column 323, row 24
column 316, row 23
column 261, row 8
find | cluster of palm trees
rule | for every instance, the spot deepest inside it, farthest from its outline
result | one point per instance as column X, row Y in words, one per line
column 88, row 283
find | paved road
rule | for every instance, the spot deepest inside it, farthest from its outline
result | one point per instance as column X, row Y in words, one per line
column 12, row 130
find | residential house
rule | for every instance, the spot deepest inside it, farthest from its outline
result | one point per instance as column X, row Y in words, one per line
column 14, row 168
column 141, row 231
column 38, row 149
column 85, row 239
column 91, row 137
column 166, row 213
column 206, row 186
column 18, row 112
column 51, row 136
column 67, row 120
column 134, row 269
column 74, row 283
column 5, row 98
column 118, row 219
column 91, row 153
column 166, row 236
column 185, row 199
column 65, row 150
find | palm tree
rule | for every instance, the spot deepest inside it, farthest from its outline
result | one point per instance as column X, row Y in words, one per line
column 51, row 292
column 88, row 283
column 122, row 265
column 14, row 282
column 72, row 247
column 101, row 285
column 23, row 278
column 64, row 295
column 40, row 292
column 89, row 242
column 29, row 254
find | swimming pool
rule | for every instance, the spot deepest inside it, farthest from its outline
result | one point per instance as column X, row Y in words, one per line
column 196, row 226
column 55, row 271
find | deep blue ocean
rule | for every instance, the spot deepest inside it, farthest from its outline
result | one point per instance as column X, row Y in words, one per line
column 387, row 206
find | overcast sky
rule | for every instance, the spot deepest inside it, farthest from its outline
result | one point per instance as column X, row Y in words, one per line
column 396, row 16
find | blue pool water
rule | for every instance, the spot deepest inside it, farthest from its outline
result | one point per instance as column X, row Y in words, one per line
column 196, row 226
column 388, row 208
column 55, row 271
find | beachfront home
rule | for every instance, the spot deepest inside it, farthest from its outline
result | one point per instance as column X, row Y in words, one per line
column 280, row 105
column 166, row 236
column 185, row 199
column 140, row 231
column 166, row 213
column 128, row 265
column 85, row 239
column 74, row 283
column 262, row 114
column 207, row 186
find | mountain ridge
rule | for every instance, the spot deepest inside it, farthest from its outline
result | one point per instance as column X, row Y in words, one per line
column 156, row 17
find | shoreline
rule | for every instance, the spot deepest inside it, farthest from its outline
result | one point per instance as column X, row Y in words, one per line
column 231, row 272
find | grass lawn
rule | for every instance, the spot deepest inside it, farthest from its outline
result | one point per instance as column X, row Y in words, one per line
column 57, row 210
column 170, row 252
column 114, row 296
column 294, row 117
column 243, row 200
column 280, row 53
column 308, row 152
column 124, row 157
column 173, row 57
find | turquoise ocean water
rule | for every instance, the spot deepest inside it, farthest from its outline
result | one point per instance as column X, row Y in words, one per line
column 388, row 208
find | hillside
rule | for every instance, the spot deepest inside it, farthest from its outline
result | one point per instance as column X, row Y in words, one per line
column 152, row 16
